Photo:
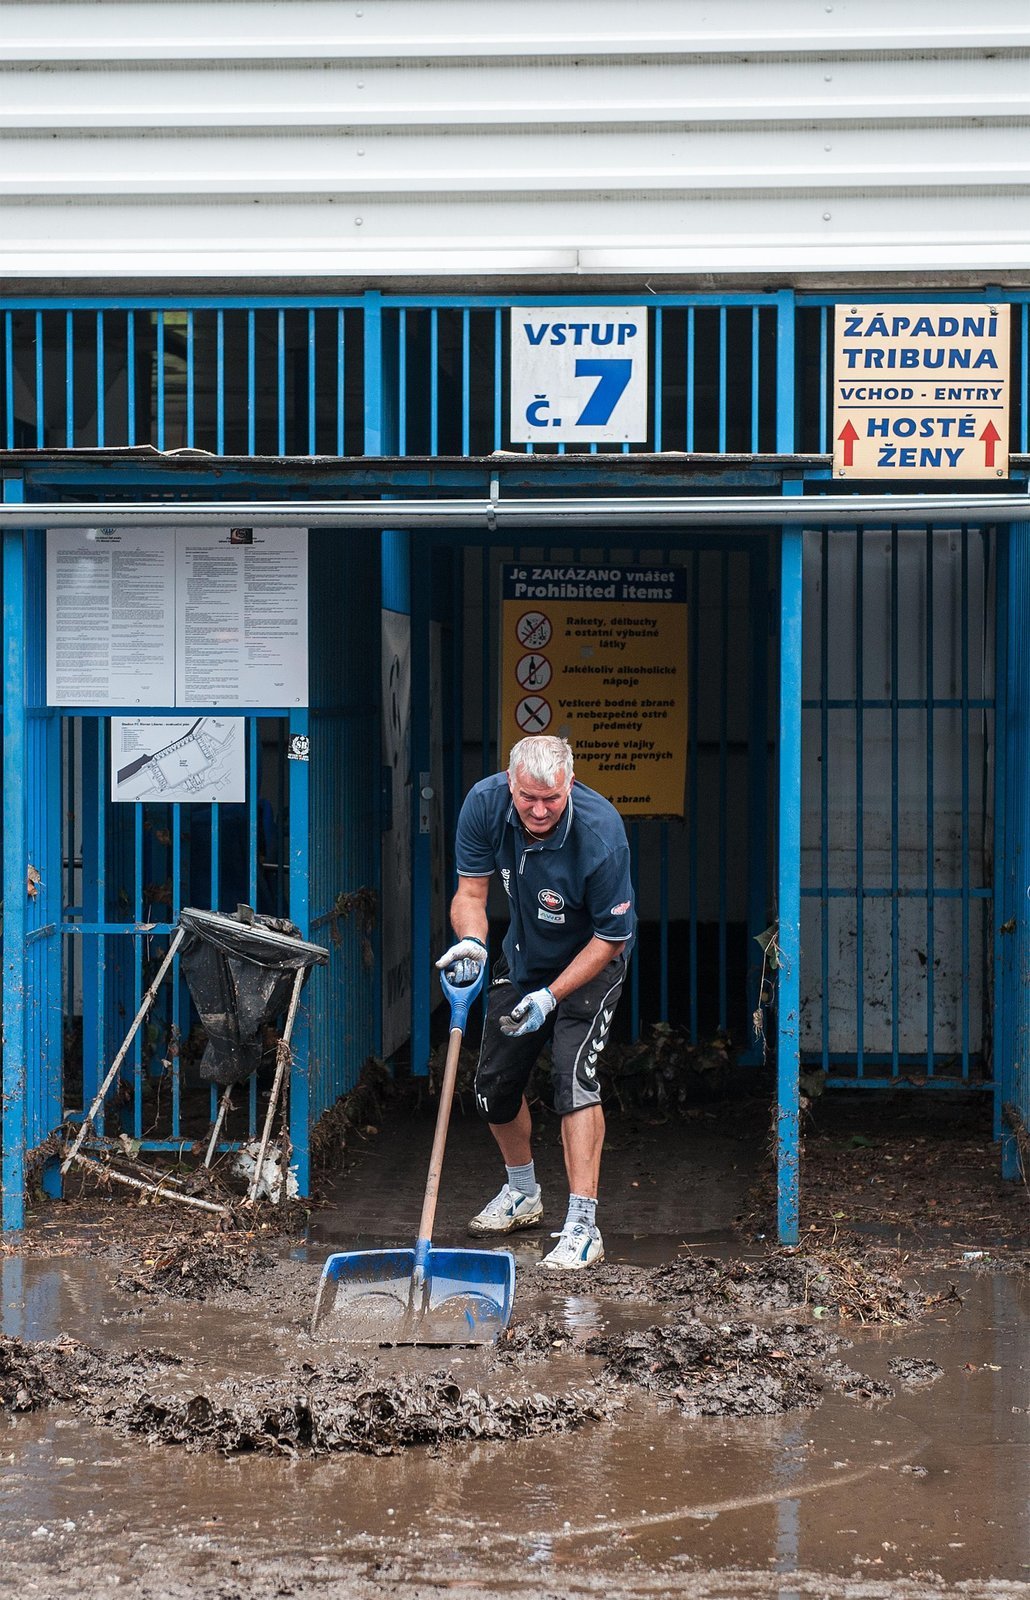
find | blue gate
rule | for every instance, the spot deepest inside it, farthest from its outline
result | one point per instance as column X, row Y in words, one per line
column 740, row 381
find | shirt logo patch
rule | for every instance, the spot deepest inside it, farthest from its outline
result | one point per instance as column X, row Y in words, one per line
column 506, row 880
column 620, row 911
column 551, row 900
column 551, row 916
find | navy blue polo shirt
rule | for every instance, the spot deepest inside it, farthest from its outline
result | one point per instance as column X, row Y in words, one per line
column 561, row 890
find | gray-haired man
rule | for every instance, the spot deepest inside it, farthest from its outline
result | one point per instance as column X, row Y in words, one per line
column 563, row 857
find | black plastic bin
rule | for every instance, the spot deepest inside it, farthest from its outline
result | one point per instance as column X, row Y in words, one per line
column 240, row 970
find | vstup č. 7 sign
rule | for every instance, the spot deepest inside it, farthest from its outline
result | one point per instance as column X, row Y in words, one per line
column 921, row 391
column 578, row 374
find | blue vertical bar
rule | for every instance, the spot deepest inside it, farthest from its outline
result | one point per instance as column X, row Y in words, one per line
column 895, row 815
column 788, row 1010
column 859, row 804
column 1014, row 1046
column 723, row 379
column 498, row 404
column 191, row 411
column 964, row 635
column 130, row 377
column 434, row 381
column 466, row 371
column 9, row 379
column 176, row 831
column 930, row 840
column 40, row 420
column 755, row 325
column 159, row 361
column 723, row 823
column 253, row 810
column 280, row 381
column 220, row 382
column 824, row 790
column 386, row 406
column 69, row 379
column 101, row 384
column 402, row 382
column 785, row 361
column 300, row 913
column 341, row 381
column 251, row 383
column 999, row 897
column 693, row 756
column 312, row 373
column 15, row 855
column 139, row 944
column 216, row 856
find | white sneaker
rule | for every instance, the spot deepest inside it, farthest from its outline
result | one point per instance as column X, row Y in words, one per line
column 579, row 1246
column 509, row 1210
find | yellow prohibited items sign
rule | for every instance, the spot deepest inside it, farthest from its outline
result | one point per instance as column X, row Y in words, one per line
column 599, row 655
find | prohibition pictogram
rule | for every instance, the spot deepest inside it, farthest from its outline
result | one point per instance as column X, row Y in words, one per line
column 534, row 672
column 533, row 630
column 533, row 713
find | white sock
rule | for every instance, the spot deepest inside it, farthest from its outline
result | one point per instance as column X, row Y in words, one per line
column 581, row 1209
column 523, row 1179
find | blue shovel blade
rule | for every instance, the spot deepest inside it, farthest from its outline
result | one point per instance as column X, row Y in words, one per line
column 374, row 1297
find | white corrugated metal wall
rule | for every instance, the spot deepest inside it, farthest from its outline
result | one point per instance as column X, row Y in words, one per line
column 548, row 139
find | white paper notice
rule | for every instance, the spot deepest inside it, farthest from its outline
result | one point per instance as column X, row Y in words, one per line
column 178, row 759
column 242, row 617
column 110, row 617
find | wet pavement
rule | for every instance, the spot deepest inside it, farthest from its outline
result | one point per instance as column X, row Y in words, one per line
column 917, row 1495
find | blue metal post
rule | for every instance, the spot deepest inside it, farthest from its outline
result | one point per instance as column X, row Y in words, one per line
column 15, row 860
column 385, row 400
column 1013, row 1048
column 300, row 913
column 789, row 890
column 788, row 899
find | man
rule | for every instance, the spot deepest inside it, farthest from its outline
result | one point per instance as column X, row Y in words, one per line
column 563, row 857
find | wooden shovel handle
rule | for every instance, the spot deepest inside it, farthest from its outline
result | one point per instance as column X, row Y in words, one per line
column 443, row 1117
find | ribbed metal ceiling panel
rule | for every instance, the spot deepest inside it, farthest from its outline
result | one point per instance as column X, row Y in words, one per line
column 551, row 139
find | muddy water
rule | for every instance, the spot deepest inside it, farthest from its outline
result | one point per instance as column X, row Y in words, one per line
column 926, row 1490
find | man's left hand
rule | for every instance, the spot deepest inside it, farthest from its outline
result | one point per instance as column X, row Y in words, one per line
column 530, row 1014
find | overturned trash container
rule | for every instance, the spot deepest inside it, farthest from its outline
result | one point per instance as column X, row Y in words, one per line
column 242, row 971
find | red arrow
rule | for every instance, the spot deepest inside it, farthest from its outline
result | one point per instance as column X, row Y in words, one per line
column 990, row 437
column 849, row 433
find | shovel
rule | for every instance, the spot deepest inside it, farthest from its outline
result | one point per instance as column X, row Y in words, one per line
column 424, row 1296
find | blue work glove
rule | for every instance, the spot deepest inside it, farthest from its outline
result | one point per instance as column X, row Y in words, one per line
column 530, row 1013
column 463, row 961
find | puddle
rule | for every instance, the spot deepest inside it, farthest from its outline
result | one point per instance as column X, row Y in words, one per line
column 930, row 1482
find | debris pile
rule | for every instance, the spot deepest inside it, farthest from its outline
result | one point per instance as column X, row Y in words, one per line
column 309, row 1411
column 194, row 1266
column 304, row 1410
column 735, row 1369
column 828, row 1282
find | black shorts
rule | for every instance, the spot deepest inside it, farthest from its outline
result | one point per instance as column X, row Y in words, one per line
column 577, row 1030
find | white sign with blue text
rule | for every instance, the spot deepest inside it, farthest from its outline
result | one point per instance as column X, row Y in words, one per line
column 579, row 374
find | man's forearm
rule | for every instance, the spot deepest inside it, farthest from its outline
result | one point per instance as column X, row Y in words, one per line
column 468, row 917
column 592, row 959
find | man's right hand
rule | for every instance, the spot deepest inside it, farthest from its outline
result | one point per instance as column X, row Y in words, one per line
column 463, row 961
